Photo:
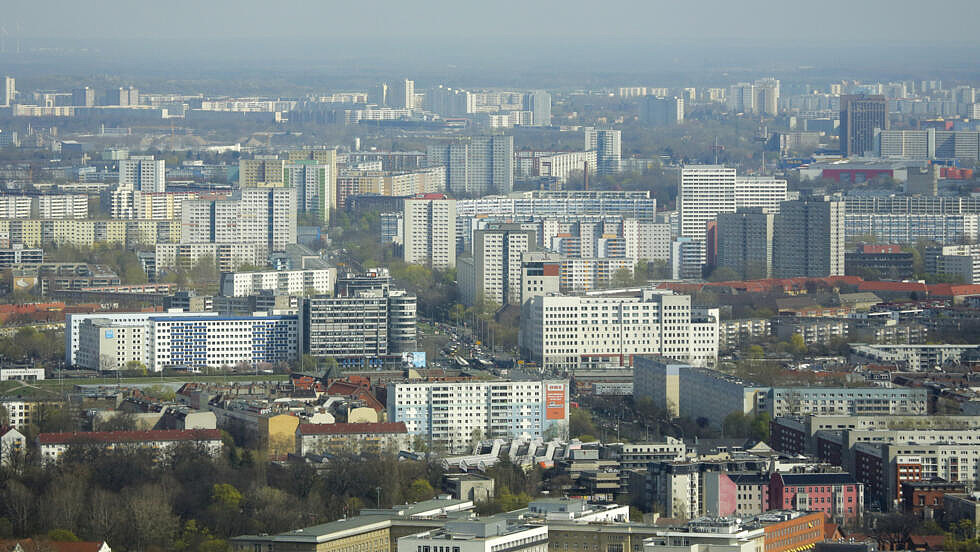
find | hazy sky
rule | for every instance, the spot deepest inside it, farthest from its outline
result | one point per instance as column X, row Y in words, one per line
column 570, row 20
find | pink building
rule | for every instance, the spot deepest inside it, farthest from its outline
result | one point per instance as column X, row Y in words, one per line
column 838, row 495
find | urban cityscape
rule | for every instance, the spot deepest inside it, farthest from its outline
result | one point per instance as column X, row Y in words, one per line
column 488, row 285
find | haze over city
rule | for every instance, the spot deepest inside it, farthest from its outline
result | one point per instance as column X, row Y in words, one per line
column 522, row 276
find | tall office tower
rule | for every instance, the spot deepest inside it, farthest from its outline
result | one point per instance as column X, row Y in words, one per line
column 323, row 156
column 809, row 238
column 476, row 166
column 656, row 111
column 311, row 180
column 860, row 116
column 260, row 172
column 9, row 91
column 538, row 102
column 492, row 272
column 379, row 95
column 741, row 98
column 745, row 242
column 608, row 147
column 143, row 173
column 403, row 96
column 430, row 231
column 83, row 97
column 767, row 96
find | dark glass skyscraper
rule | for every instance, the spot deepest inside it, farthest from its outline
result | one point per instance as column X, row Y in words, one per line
column 860, row 115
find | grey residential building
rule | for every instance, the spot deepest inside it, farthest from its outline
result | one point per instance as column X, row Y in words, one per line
column 809, row 238
column 745, row 242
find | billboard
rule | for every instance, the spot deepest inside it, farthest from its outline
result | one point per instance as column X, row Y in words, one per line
column 554, row 401
column 415, row 359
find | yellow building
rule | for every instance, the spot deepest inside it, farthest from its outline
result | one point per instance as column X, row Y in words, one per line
column 279, row 433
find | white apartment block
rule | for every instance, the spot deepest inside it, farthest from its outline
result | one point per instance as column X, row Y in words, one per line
column 192, row 341
column 290, row 282
column 492, row 272
column 429, row 227
column 62, row 206
column 143, row 173
column 15, row 207
column 707, row 190
column 265, row 217
column 227, row 256
column 945, row 229
column 315, row 185
column 560, row 165
column 478, row 535
column 454, row 415
column 631, row 204
column 58, row 206
column 73, row 325
column 653, row 243
column 563, row 333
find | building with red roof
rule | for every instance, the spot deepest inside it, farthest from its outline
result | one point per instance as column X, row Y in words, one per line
column 350, row 438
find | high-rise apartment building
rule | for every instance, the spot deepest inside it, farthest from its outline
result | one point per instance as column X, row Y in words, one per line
column 321, row 157
column 809, row 238
column 312, row 181
column 608, row 147
column 123, row 96
column 741, row 98
column 83, row 96
column 492, row 272
column 603, row 329
column 707, row 190
column 260, row 172
column 9, row 91
column 429, row 231
column 767, row 96
column 745, row 241
column 538, row 102
column 860, row 117
column 143, row 173
column 450, row 102
column 262, row 216
column 476, row 166
column 656, row 111
column 451, row 415
column 402, row 96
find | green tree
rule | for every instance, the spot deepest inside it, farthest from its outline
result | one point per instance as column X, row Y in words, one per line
column 419, row 490
column 62, row 535
column 580, row 423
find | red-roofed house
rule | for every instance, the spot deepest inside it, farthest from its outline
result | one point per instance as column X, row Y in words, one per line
column 350, row 438
column 53, row 445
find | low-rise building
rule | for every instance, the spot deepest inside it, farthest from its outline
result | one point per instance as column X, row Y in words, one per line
column 708, row 535
column 291, row 282
column 837, row 495
column 490, row 534
column 12, row 444
column 356, row 438
column 53, row 445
